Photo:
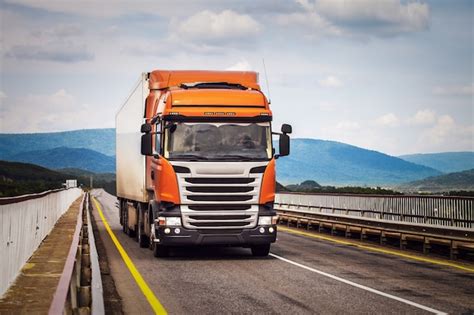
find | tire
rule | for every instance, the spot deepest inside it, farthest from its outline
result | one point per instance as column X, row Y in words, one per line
column 260, row 250
column 120, row 211
column 160, row 251
column 124, row 217
column 143, row 239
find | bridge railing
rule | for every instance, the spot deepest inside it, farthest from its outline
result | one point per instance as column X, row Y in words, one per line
column 24, row 222
column 429, row 210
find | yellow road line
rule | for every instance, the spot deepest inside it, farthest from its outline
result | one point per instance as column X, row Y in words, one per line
column 379, row 250
column 147, row 292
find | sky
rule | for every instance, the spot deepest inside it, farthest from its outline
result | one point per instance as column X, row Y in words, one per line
column 387, row 75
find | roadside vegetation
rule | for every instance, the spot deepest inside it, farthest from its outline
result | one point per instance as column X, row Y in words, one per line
column 22, row 178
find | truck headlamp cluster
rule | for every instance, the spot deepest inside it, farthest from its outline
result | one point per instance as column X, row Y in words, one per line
column 169, row 221
column 267, row 220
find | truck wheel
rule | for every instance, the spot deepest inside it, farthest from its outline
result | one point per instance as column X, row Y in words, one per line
column 260, row 250
column 142, row 238
column 124, row 218
column 121, row 211
column 160, row 250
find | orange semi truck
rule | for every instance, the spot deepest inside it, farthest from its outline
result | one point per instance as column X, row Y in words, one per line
column 196, row 163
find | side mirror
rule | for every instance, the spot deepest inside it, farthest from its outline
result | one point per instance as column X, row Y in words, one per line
column 147, row 144
column 285, row 128
column 284, row 145
column 145, row 128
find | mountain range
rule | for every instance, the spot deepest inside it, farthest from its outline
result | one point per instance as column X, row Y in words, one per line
column 446, row 162
column 457, row 181
column 336, row 163
column 327, row 162
column 63, row 157
column 100, row 140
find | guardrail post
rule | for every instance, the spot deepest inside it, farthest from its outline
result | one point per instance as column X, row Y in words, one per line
column 453, row 250
column 426, row 245
column 383, row 238
column 403, row 241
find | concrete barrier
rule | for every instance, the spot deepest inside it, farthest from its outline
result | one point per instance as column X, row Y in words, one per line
column 23, row 226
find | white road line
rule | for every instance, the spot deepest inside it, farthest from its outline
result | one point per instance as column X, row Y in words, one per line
column 393, row 297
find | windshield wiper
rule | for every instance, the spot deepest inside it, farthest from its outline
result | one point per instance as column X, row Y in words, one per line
column 190, row 156
column 238, row 157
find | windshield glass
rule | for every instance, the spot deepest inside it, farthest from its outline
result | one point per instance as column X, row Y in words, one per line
column 218, row 141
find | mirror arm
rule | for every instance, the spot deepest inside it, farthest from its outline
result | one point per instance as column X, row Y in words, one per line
column 154, row 119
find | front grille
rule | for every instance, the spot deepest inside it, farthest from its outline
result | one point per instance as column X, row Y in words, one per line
column 211, row 201
column 213, row 224
column 219, row 207
column 220, row 217
column 219, row 189
column 220, row 198
column 219, row 180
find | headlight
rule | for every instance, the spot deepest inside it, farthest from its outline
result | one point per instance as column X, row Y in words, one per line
column 173, row 221
column 267, row 220
column 169, row 221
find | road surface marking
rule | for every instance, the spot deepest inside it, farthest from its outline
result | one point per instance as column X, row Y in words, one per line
column 150, row 296
column 380, row 250
column 360, row 286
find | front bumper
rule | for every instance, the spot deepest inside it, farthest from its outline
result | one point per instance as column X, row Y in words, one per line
column 245, row 237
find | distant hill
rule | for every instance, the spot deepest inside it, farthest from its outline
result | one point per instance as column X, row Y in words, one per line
column 326, row 162
column 336, row 163
column 99, row 180
column 62, row 157
column 100, row 140
column 21, row 178
column 460, row 181
column 446, row 162
column 84, row 173
column 307, row 185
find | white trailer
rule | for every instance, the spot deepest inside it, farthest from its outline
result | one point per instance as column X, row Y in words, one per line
column 130, row 162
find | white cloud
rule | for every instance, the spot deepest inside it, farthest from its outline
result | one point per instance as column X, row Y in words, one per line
column 364, row 18
column 55, row 51
column 327, row 106
column 51, row 112
column 447, row 135
column 216, row 28
column 388, row 120
column 331, row 82
column 423, row 117
column 347, row 125
column 455, row 90
column 2, row 95
column 311, row 24
column 91, row 8
column 242, row 65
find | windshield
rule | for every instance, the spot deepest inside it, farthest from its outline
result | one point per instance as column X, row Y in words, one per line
column 218, row 141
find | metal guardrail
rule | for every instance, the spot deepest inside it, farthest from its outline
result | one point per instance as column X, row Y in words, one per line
column 24, row 222
column 428, row 210
column 313, row 211
column 16, row 199
column 80, row 286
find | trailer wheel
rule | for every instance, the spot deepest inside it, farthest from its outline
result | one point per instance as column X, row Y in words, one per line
column 123, row 205
column 160, row 250
column 120, row 211
column 143, row 239
column 260, row 250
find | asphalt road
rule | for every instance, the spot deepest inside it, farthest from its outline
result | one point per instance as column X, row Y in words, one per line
column 304, row 276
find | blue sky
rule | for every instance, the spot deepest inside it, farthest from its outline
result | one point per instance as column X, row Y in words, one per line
column 393, row 76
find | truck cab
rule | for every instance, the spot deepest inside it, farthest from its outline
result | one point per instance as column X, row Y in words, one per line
column 209, row 163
